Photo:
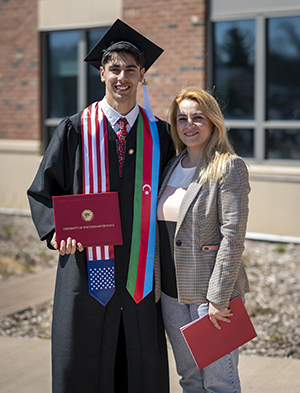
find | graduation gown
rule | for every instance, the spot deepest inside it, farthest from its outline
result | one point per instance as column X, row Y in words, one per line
column 85, row 333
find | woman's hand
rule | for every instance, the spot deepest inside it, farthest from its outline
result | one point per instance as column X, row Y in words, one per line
column 217, row 313
column 66, row 247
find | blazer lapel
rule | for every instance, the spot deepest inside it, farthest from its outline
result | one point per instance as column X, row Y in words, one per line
column 190, row 195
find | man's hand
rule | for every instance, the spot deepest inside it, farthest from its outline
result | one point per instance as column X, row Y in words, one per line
column 217, row 312
column 66, row 247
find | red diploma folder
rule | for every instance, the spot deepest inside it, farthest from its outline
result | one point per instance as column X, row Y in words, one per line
column 208, row 344
column 91, row 219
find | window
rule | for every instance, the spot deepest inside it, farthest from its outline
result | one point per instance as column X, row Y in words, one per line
column 234, row 56
column 69, row 84
column 255, row 77
column 283, row 144
column 234, row 52
column 96, row 88
column 242, row 141
column 283, row 65
column 63, row 73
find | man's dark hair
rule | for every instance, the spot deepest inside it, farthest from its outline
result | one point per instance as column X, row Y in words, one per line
column 124, row 47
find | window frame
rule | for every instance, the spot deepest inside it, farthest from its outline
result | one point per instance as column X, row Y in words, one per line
column 82, row 79
column 259, row 124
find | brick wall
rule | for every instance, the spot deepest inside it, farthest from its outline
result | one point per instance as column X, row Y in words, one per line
column 179, row 28
column 19, row 70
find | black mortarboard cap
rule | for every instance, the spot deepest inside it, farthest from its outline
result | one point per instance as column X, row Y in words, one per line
column 120, row 31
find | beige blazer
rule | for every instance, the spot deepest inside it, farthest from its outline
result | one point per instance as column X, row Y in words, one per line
column 210, row 214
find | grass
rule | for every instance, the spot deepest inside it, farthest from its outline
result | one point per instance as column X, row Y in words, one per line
column 280, row 249
column 276, row 336
column 256, row 265
column 265, row 311
column 7, row 230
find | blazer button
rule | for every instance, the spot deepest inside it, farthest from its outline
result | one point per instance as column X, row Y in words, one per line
column 178, row 243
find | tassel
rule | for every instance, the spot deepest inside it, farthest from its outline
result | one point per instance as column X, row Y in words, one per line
column 147, row 101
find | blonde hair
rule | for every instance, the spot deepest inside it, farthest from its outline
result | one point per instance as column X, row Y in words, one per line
column 217, row 151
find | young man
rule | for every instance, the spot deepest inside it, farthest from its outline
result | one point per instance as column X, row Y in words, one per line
column 113, row 342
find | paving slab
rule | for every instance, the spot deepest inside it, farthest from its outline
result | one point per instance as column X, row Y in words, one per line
column 25, row 367
column 258, row 374
column 20, row 293
column 261, row 374
column 25, row 364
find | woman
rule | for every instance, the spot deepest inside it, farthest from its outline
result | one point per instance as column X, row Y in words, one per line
column 202, row 215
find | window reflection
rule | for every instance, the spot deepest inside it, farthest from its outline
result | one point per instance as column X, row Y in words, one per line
column 96, row 88
column 234, row 56
column 283, row 144
column 242, row 140
column 283, row 65
column 62, row 73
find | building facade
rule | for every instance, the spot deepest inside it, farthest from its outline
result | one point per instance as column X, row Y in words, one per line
column 247, row 55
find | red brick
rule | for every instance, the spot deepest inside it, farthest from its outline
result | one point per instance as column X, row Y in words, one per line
column 19, row 101
column 185, row 47
column 181, row 44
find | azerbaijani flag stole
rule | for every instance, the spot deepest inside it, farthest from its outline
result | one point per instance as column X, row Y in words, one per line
column 96, row 179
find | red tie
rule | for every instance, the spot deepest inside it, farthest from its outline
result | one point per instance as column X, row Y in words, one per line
column 122, row 134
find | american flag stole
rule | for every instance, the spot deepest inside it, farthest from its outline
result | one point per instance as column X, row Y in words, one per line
column 141, row 265
column 100, row 260
column 96, row 179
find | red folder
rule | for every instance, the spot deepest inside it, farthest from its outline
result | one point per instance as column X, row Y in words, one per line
column 208, row 344
column 91, row 219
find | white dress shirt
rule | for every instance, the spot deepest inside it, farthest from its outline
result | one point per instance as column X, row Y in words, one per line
column 113, row 116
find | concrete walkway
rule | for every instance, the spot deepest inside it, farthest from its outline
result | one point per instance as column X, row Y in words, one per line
column 25, row 363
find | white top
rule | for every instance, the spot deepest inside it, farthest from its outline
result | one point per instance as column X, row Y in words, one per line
column 170, row 201
column 113, row 116
column 181, row 177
